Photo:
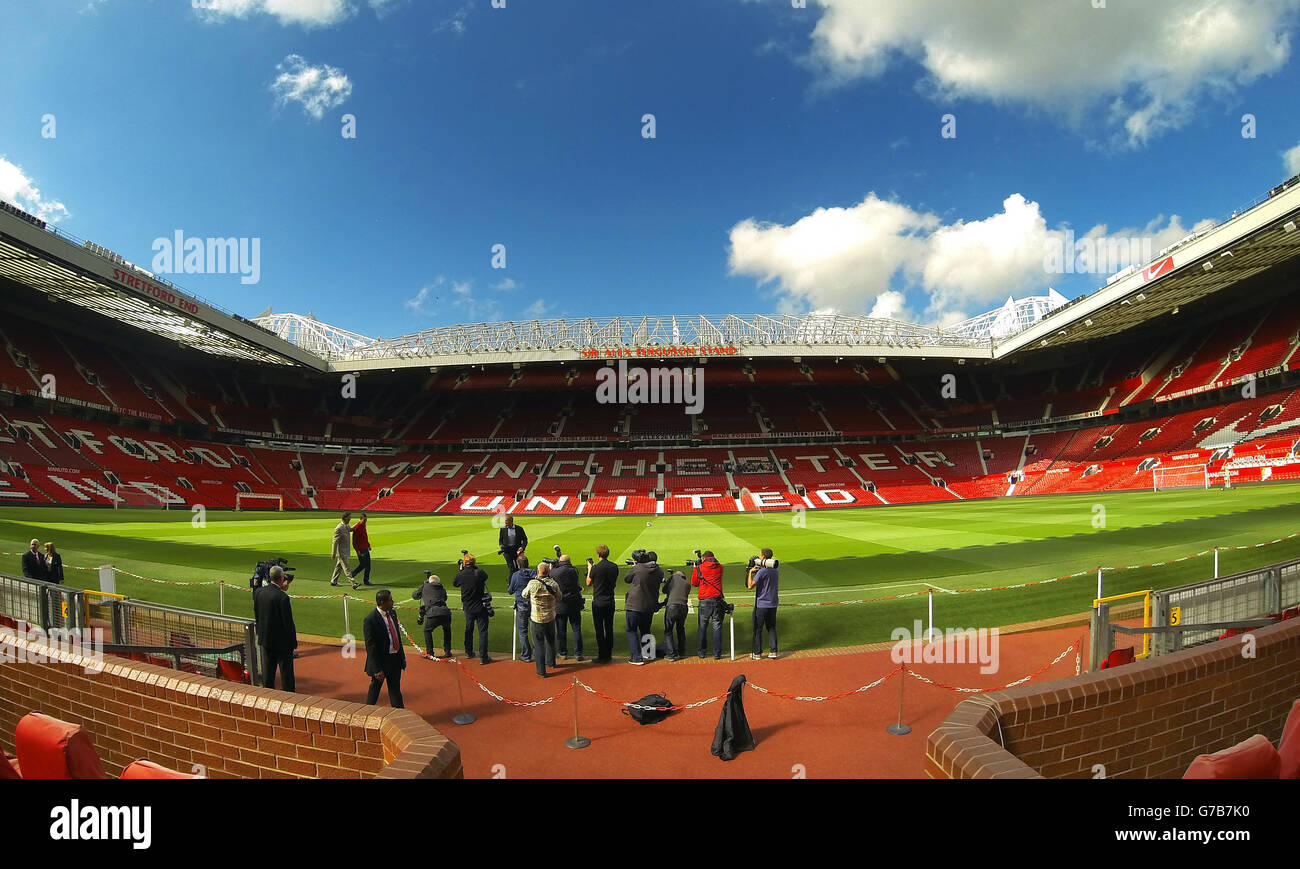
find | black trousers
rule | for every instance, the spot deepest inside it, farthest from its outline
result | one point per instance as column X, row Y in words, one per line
column 512, row 561
column 393, row 676
column 562, row 623
column 602, row 618
column 543, row 645
column 764, row 617
column 431, row 624
column 481, row 622
column 282, row 660
column 675, row 629
column 363, row 563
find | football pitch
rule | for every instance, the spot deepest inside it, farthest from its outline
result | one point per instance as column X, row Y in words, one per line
column 827, row 556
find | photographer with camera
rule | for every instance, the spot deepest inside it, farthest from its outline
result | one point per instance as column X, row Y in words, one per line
column 262, row 572
column 434, row 613
column 518, row 582
column 677, row 591
column 763, row 579
column 569, row 609
column 543, row 593
column 602, row 576
column 642, row 601
column 706, row 575
column 472, row 582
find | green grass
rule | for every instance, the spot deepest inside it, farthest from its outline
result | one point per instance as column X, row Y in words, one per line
column 838, row 555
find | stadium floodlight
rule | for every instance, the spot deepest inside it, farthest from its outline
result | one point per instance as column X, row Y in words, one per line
column 1289, row 226
column 1207, row 266
column 1087, row 322
column 1141, row 297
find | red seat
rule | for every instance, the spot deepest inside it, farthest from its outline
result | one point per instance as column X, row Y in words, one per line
column 54, row 749
column 145, row 769
column 7, row 768
column 1253, row 758
column 159, row 661
column 1289, row 748
column 7, row 622
column 232, row 671
column 1118, row 657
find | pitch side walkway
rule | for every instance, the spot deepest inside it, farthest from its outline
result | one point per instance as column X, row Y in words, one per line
column 843, row 737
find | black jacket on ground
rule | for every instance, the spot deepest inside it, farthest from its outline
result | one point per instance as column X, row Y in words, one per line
column 378, row 658
column 274, row 614
column 643, row 596
column 472, row 582
column 732, row 735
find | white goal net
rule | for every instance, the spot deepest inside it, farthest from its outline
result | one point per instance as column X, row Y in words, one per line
column 133, row 495
column 258, row 501
column 1181, row 477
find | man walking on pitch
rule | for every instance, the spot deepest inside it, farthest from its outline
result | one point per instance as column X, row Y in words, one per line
column 361, row 543
column 340, row 549
column 513, row 541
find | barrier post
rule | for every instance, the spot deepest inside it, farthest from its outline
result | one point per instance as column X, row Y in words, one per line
column 347, row 625
column 900, row 729
column 731, row 620
column 929, row 635
column 514, row 633
column 461, row 717
column 221, row 596
column 576, row 741
column 1216, row 562
column 1099, row 594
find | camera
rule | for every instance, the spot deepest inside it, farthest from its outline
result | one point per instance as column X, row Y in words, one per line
column 760, row 561
column 590, row 562
column 556, row 560
column 695, row 562
column 262, row 572
column 487, row 604
column 460, row 562
column 727, row 607
column 639, row 556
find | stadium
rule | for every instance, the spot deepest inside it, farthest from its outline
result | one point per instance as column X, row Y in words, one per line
column 1054, row 540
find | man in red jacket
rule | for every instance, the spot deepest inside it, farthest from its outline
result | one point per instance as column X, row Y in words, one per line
column 361, row 543
column 707, row 577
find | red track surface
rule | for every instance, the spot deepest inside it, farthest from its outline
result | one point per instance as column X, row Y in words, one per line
column 835, row 738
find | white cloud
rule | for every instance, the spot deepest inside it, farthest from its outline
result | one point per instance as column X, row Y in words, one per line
column 317, row 88
column 17, row 188
column 889, row 260
column 456, row 22
column 443, row 295
column 537, row 310
column 383, row 7
column 506, row 285
column 1149, row 64
column 1292, row 160
column 308, row 13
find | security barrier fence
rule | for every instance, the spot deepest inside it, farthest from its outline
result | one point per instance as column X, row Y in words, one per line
column 171, row 636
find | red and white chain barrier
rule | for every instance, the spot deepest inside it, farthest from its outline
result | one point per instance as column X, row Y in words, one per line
column 1076, row 646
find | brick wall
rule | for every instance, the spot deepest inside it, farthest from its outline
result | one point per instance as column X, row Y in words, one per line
column 1148, row 719
column 137, row 711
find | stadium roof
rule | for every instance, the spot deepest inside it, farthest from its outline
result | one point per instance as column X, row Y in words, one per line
column 1258, row 238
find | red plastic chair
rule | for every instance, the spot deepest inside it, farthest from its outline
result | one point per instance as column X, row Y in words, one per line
column 1252, row 758
column 1289, row 747
column 1119, row 657
column 7, row 769
column 52, row 749
column 145, row 769
column 232, row 671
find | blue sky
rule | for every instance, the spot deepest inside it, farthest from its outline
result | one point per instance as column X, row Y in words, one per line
column 798, row 162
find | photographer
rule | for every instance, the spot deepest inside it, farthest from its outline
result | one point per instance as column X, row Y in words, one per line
column 677, row 591
column 543, row 593
column 642, row 601
column 763, row 579
column 434, row 613
column 472, row 582
column 569, row 609
column 518, row 582
column 707, row 577
column 602, row 576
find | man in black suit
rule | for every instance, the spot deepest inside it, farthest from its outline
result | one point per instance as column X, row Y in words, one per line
column 34, row 564
column 276, row 633
column 385, row 657
column 472, row 582
column 512, row 541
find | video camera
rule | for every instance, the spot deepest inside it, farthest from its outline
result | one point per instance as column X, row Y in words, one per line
column 639, row 556
column 760, row 561
column 262, row 572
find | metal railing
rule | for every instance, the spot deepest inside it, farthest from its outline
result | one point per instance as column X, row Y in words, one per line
column 46, row 604
column 136, row 623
